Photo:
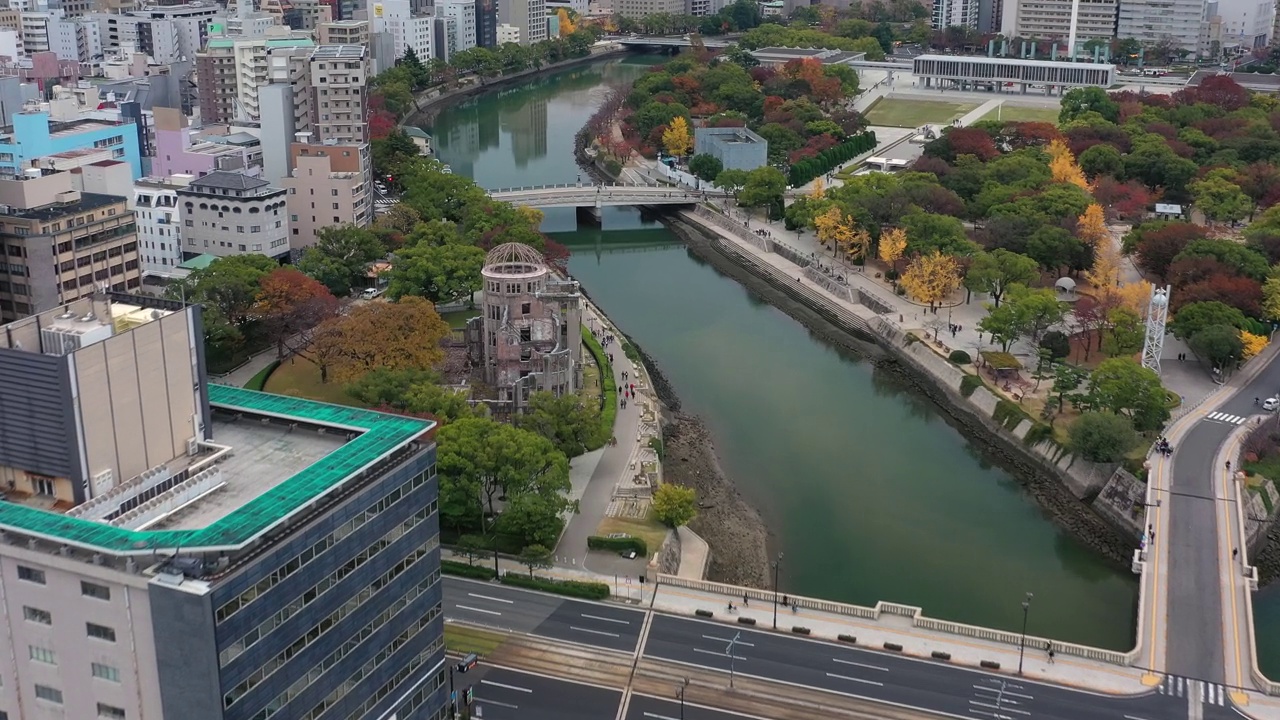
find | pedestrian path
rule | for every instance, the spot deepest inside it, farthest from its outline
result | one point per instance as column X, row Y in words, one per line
column 1180, row 687
column 1226, row 418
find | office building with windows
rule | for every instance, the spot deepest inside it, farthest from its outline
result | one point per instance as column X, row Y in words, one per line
column 330, row 184
column 32, row 136
column 175, row 549
column 226, row 213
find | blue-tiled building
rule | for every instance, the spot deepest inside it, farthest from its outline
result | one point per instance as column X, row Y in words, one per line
column 35, row 136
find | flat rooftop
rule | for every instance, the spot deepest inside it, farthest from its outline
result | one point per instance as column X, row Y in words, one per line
column 262, row 457
column 233, row 526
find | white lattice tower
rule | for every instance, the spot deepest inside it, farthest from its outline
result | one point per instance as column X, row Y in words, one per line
column 1157, row 315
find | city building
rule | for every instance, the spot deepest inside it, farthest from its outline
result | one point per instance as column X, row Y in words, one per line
column 1051, row 19
column 1185, row 22
column 298, row 14
column 181, row 150
column 166, row 33
column 226, row 213
column 737, row 148
column 578, row 6
column 463, row 14
column 487, row 23
column 338, row 109
column 231, row 70
column 173, row 548
column 1010, row 75
column 955, row 13
column 330, row 185
column 508, row 34
column 62, row 244
column 641, row 8
column 779, row 56
column 155, row 208
column 444, row 36
column 530, row 16
column 343, row 32
column 408, row 29
column 32, row 136
column 420, row 138
column 1246, row 25
column 528, row 338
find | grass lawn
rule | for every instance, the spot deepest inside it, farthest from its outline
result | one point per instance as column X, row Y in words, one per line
column 462, row 640
column 300, row 378
column 458, row 318
column 892, row 112
column 1023, row 113
column 651, row 531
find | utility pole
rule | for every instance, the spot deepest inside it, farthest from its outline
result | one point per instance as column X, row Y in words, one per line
column 1022, row 646
column 680, row 694
column 728, row 651
column 777, row 564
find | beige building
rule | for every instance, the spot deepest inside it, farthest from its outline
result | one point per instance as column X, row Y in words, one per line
column 226, row 213
column 343, row 32
column 329, row 186
column 1051, row 19
column 338, row 109
column 62, row 244
column 640, row 8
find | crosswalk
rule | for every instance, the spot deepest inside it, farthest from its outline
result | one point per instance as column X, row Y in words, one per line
column 1226, row 418
column 382, row 204
column 1209, row 693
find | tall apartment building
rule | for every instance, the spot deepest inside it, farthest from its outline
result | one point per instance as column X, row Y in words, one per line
column 182, row 150
column 487, row 23
column 230, row 71
column 530, row 16
column 225, row 213
column 167, row 33
column 407, row 28
column 1150, row 21
column 955, row 13
column 1051, row 19
column 330, row 185
column 298, row 14
column 463, row 14
column 62, row 244
column 159, row 560
column 159, row 218
column 338, row 108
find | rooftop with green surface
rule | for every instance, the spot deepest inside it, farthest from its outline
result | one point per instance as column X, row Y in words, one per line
column 379, row 435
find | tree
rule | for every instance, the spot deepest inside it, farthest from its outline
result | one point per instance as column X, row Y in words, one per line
column 1057, row 343
column 386, row 387
column 441, row 274
column 676, row 138
column 472, row 547
column 1219, row 344
column 229, row 285
column 1079, row 101
column 994, row 272
column 1101, row 437
column 1122, row 386
column 1220, row 199
column 705, row 167
column 764, row 186
column 1104, row 275
column 1253, row 344
column 535, row 557
column 732, row 181
column 1194, row 317
column 1101, row 159
column 893, row 243
column 443, row 403
column 1062, row 164
column 340, row 256
column 1270, row 299
column 931, row 278
column 1125, row 334
column 931, row 232
column 291, row 304
column 1067, row 379
column 1240, row 259
column 395, row 335
column 567, row 27
column 833, row 228
column 1027, row 312
column 674, row 505
column 1157, row 247
column 1091, row 227
column 572, row 426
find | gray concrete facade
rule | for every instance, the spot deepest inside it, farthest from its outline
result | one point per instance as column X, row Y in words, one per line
column 735, row 148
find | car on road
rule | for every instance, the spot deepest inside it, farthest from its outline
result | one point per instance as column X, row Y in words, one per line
column 1271, row 403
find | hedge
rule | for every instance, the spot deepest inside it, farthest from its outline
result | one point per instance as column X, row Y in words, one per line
column 609, row 399
column 571, row 588
column 1009, row 414
column 809, row 168
column 461, row 569
column 960, row 357
column 969, row 383
column 600, row 542
column 259, row 380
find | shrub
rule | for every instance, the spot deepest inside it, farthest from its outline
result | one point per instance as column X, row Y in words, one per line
column 1057, row 343
column 477, row 572
column 1102, row 436
column 969, row 383
column 960, row 357
column 599, row 542
column 1038, row 433
column 655, row 444
column 259, row 380
column 613, row 167
column 1008, row 414
column 570, row 588
column 807, row 169
column 609, row 398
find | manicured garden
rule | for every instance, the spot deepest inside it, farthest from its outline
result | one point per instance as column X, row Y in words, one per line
column 898, row 112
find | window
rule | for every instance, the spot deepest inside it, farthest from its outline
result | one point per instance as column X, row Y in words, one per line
column 100, row 632
column 44, row 655
column 42, row 485
column 30, row 574
column 53, row 695
column 94, row 590
column 108, row 711
column 36, row 615
column 240, row 229
column 105, row 672
column 525, row 308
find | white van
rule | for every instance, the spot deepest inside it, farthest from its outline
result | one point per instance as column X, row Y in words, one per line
column 370, row 293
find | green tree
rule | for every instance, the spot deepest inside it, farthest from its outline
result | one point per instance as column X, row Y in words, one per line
column 472, row 547
column 1079, row 101
column 1220, row 199
column 1057, row 343
column 535, row 557
column 230, row 285
column 1125, row 333
column 764, row 186
column 1122, row 386
column 1219, row 344
column 1242, row 259
column 570, row 424
column 384, row 386
column 674, row 505
column 340, row 256
column 705, row 167
column 1194, row 317
column 1101, row 437
column 732, row 181
column 1026, row 312
column 1067, row 379
column 444, row 403
column 1102, row 159
column 994, row 272
column 929, row 232
column 441, row 274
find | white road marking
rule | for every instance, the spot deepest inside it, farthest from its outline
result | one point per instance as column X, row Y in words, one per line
column 727, row 640
column 717, row 653
column 656, row 716
column 594, row 632
column 998, row 707
column 486, row 597
column 498, row 703
column 861, row 665
column 1133, row 717
column 989, row 714
column 486, row 612
column 605, row 619
column 1226, row 418
column 996, row 689
column 857, row 680
column 505, row 686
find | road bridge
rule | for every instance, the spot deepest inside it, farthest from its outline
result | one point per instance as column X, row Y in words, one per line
column 667, row 41
column 580, row 195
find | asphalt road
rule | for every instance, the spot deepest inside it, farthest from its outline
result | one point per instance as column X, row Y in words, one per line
column 586, row 623
column 1195, row 637
column 643, row 707
column 502, row 694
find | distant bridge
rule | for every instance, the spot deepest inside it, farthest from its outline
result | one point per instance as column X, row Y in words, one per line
column 575, row 195
column 667, row 41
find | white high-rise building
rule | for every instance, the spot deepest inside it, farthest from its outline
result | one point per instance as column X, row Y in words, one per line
column 1051, row 19
column 155, row 208
column 407, row 30
column 1246, row 24
column 955, row 13
column 1186, row 22
column 530, row 16
column 463, row 13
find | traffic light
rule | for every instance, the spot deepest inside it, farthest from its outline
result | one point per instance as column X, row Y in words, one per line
column 468, row 695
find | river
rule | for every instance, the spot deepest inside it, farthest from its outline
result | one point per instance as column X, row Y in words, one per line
column 870, row 494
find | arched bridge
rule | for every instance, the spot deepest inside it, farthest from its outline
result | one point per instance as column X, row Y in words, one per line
column 574, row 195
column 669, row 41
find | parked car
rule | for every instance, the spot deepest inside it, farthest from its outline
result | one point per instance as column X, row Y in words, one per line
column 1271, row 403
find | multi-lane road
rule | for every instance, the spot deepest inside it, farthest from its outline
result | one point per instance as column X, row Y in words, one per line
column 883, row 677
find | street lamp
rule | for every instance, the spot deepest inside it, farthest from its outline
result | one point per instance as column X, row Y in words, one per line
column 737, row 638
column 1022, row 646
column 777, row 564
column 680, row 694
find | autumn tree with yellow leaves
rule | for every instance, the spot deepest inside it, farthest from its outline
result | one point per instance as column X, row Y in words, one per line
column 819, row 188
column 403, row 335
column 1063, row 166
column 1091, row 227
column 834, row 229
column 567, row 27
column 1253, row 344
column 676, row 137
column 931, row 278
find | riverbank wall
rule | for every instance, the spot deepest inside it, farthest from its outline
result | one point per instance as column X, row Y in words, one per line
column 1058, row 484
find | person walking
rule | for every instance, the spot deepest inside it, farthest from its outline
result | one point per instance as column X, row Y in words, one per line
column 746, row 601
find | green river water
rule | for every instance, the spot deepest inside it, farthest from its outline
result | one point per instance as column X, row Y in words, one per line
column 871, row 495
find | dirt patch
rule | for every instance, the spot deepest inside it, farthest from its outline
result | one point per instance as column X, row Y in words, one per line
column 729, row 524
